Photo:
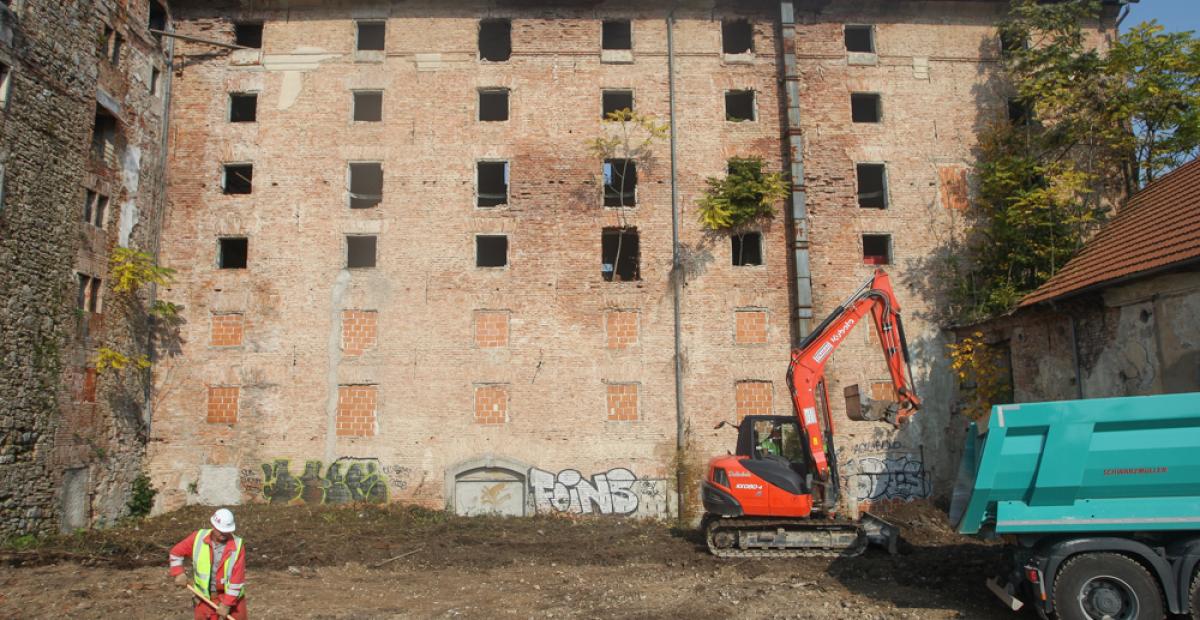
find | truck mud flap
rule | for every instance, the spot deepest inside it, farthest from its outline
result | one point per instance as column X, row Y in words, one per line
column 1004, row 593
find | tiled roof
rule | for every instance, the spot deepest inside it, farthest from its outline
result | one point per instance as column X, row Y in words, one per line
column 1158, row 227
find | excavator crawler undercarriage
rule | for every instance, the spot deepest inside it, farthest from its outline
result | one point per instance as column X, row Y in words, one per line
column 748, row 537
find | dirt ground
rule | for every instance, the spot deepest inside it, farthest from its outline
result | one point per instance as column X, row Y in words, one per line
column 402, row 562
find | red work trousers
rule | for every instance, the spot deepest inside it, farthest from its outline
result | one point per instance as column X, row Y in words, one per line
column 204, row 612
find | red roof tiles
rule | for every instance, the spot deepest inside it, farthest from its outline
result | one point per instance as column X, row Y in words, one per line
column 1157, row 228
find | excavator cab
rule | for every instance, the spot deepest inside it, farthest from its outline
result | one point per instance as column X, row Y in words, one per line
column 783, row 465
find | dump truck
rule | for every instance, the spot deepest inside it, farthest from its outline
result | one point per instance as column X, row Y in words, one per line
column 1098, row 500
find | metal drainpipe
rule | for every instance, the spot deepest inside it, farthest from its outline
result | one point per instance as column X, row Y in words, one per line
column 803, row 312
column 676, row 269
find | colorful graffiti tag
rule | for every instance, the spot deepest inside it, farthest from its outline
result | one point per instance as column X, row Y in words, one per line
column 344, row 481
column 608, row 493
column 902, row 477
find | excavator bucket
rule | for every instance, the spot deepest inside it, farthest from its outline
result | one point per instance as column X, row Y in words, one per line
column 880, row 532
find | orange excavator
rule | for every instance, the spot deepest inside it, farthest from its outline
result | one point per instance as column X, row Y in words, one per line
column 777, row 496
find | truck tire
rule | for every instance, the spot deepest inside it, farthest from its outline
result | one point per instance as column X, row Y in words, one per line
column 1106, row 586
column 1194, row 597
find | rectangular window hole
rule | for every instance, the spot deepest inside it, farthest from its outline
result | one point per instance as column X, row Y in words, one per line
column 239, row 178
column 248, row 34
column 620, row 254
column 737, row 37
column 95, row 208
column 877, row 249
column 360, row 251
column 747, row 249
column 1011, row 42
column 243, row 107
column 615, row 101
column 739, row 105
column 371, row 36
column 866, row 107
column 1019, row 112
column 158, row 16
column 368, row 106
column 860, row 39
column 366, row 185
column 620, row 183
column 616, row 34
column 88, row 293
column 491, row 251
column 872, row 186
column 114, row 50
column 495, row 40
column 492, row 178
column 493, row 104
column 155, row 76
column 104, row 134
column 232, row 252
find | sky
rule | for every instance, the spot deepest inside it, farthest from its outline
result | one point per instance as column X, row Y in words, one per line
column 1176, row 15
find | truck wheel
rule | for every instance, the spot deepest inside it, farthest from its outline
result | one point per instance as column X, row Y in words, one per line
column 1194, row 597
column 1106, row 586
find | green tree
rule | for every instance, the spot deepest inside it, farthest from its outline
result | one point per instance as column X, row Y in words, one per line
column 743, row 199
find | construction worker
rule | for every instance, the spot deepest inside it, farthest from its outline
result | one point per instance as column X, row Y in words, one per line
column 771, row 444
column 218, row 568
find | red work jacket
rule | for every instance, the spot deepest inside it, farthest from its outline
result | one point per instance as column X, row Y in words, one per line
column 237, row 579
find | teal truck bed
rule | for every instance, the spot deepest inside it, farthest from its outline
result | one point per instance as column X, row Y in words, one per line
column 1107, row 487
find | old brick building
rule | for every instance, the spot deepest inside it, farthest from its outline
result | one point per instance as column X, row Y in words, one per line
column 82, row 102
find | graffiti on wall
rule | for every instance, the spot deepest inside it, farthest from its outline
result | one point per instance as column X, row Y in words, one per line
column 343, row 481
column 890, row 477
column 610, row 493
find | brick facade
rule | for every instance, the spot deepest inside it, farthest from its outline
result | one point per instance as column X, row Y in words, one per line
column 359, row 331
column 227, row 330
column 622, row 402
column 491, row 329
column 621, row 327
column 753, row 398
column 223, row 404
column 751, row 327
column 491, row 404
column 356, row 410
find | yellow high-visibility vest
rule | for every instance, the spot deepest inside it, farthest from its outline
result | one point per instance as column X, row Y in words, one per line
column 202, row 564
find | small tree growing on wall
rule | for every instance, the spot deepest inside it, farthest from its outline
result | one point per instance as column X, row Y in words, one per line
column 131, row 271
column 744, row 199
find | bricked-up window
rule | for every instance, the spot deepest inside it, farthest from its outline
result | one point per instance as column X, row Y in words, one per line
column 495, row 40
column 1019, row 112
column 616, row 34
column 747, row 249
column 248, row 34
column 872, row 186
column 491, row 329
column 104, row 135
column 750, row 326
column 243, row 107
column 359, row 331
column 356, row 410
column 622, row 402
column 752, row 398
column 620, row 255
column 737, row 37
column 232, row 252
column 360, row 251
column 371, row 36
column 860, row 39
column 368, row 106
column 491, row 251
column 223, row 404
column 87, row 391
column 739, row 105
column 95, row 209
column 87, row 296
column 238, row 178
column 866, row 108
column 227, row 329
column 366, row 184
column 620, row 183
column 877, row 249
column 621, row 328
column 615, row 100
column 493, row 104
column 492, row 180
column 491, row 404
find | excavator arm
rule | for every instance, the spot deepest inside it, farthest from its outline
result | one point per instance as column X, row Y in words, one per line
column 806, row 373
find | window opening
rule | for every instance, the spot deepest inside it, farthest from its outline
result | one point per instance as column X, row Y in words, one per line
column 615, row 100
column 860, row 39
column 872, row 186
column 232, row 252
column 366, row 185
column 368, row 106
column 104, row 134
column 360, row 251
column 866, row 108
column 1019, row 112
column 620, row 183
column 243, row 107
column 495, row 40
column 248, row 34
column 239, row 178
column 493, row 104
column 5, row 79
column 739, row 105
column 737, row 37
column 95, row 208
column 747, row 249
column 155, row 74
column 491, row 251
column 158, row 17
column 1011, row 42
column 114, row 49
column 877, row 249
column 492, row 177
column 619, row 249
column 616, row 34
column 88, row 293
column 371, row 36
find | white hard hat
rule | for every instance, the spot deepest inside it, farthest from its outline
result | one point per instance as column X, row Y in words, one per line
column 223, row 520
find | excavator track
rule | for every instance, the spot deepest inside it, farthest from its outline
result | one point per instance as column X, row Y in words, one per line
column 792, row 538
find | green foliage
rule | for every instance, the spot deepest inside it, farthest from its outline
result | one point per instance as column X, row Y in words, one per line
column 141, row 497
column 107, row 358
column 165, row 310
column 744, row 197
column 983, row 372
column 133, row 269
column 628, row 135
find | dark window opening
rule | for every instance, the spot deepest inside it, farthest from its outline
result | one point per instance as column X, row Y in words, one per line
column 493, row 105
column 1011, row 42
column 865, row 108
column 88, row 293
column 619, row 255
column 739, row 105
column 860, row 39
column 495, row 39
column 155, row 74
column 366, row 185
column 115, row 42
column 1020, row 113
column 620, row 183
column 371, row 36
column 737, row 37
column 614, row 101
column 232, row 252
column 491, row 251
column 877, row 249
column 747, row 249
column 95, row 208
column 243, row 107
column 492, row 177
column 104, row 134
column 239, row 178
column 360, row 251
column 248, row 34
column 616, row 34
column 872, row 186
column 158, row 16
column 368, row 106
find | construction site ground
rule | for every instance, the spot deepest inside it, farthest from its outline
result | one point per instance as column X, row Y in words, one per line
column 400, row 562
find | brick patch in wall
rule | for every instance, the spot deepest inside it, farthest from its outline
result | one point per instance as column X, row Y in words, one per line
column 227, row 330
column 954, row 191
column 491, row 404
column 622, row 402
column 753, row 398
column 491, row 329
column 356, row 410
column 621, row 328
column 751, row 327
column 884, row 390
column 223, row 404
column 359, row 331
